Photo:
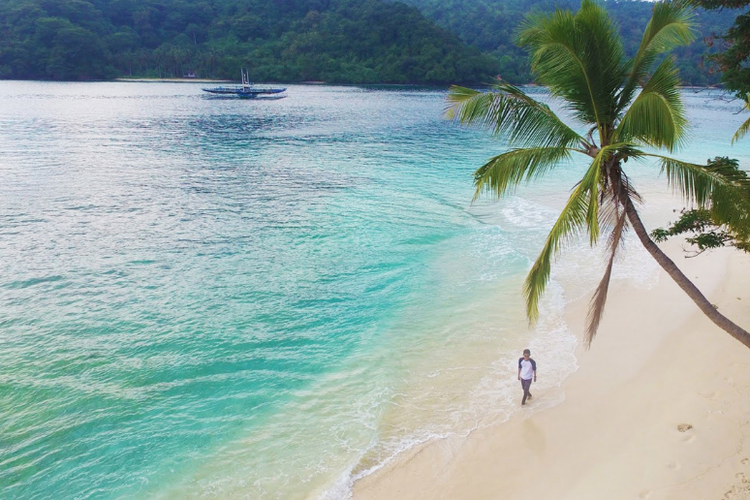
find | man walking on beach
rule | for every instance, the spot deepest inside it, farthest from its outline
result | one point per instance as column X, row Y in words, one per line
column 526, row 371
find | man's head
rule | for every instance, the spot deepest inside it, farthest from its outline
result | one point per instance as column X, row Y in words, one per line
column 526, row 353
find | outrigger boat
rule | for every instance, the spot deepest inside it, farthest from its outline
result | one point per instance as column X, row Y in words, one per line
column 245, row 91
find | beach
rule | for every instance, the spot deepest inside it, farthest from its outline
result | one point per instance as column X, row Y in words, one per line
column 659, row 409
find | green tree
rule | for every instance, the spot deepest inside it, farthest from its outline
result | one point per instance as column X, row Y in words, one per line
column 76, row 53
column 355, row 41
column 489, row 25
column 628, row 104
column 706, row 227
column 733, row 59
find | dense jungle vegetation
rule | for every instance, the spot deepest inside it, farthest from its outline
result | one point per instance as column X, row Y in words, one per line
column 279, row 40
column 352, row 41
column 490, row 25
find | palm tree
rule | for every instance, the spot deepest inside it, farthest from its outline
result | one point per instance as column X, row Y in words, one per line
column 626, row 107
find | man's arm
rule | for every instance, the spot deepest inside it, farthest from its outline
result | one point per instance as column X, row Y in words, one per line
column 533, row 365
column 519, row 369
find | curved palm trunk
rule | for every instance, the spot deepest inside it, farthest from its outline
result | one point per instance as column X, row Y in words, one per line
column 674, row 272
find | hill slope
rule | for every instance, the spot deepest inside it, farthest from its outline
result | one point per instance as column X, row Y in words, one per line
column 355, row 41
column 490, row 26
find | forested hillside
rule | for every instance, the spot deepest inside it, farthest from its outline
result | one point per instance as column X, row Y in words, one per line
column 490, row 26
column 356, row 41
column 353, row 41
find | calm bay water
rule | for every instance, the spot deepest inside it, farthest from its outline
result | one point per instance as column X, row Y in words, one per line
column 211, row 298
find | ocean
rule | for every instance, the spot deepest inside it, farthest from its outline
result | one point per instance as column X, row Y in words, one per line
column 268, row 299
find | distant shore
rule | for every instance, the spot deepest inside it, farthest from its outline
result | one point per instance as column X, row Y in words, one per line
column 173, row 80
column 320, row 82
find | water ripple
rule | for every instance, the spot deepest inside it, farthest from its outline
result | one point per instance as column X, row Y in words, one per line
column 216, row 298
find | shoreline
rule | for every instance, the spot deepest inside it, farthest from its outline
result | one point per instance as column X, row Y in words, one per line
column 650, row 369
column 172, row 80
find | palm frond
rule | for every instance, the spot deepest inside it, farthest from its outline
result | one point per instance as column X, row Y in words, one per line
column 594, row 180
column 574, row 217
column 700, row 184
column 730, row 207
column 577, row 215
column 568, row 224
column 609, row 213
column 745, row 127
column 671, row 25
column 657, row 116
column 507, row 111
column 504, row 172
column 579, row 57
column 599, row 299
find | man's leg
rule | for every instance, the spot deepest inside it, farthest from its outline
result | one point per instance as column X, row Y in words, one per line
column 525, row 384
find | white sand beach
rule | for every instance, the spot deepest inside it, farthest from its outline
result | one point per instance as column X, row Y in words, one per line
column 659, row 409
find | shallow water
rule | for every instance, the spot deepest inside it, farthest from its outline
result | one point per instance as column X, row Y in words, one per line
column 263, row 299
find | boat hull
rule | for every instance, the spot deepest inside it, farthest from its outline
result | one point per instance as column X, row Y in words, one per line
column 243, row 93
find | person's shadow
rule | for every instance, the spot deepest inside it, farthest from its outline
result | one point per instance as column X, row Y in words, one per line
column 533, row 437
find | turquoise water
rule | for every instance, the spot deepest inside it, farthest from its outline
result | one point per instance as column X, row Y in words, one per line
column 210, row 298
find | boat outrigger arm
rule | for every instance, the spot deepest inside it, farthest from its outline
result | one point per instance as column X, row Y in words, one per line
column 247, row 90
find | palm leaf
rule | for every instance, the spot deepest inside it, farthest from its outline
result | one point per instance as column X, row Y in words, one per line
column 502, row 173
column 599, row 299
column 575, row 216
column 579, row 57
column 745, row 127
column 594, row 182
column 670, row 26
column 657, row 116
column 568, row 224
column 720, row 186
column 507, row 111
column 731, row 206
column 699, row 183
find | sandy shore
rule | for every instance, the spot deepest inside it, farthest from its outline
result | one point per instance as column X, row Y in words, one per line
column 173, row 80
column 657, row 363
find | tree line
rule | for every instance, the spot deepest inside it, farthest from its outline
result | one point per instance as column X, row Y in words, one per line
column 490, row 25
column 364, row 41
column 367, row 41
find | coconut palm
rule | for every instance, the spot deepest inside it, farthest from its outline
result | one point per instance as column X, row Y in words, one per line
column 629, row 107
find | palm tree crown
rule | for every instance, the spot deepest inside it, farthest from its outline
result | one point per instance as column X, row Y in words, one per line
column 626, row 104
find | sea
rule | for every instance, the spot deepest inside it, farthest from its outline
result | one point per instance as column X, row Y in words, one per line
column 212, row 298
